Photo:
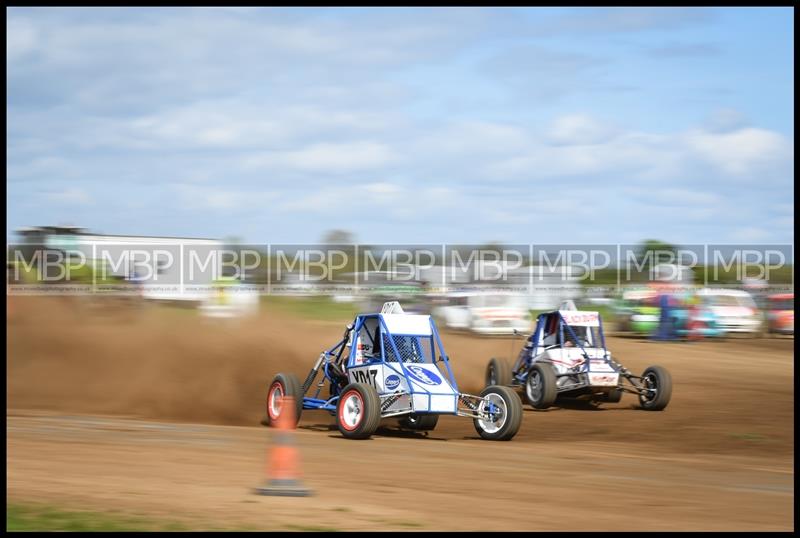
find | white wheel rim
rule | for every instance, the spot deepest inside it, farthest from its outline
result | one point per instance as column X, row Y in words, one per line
column 275, row 399
column 487, row 424
column 352, row 409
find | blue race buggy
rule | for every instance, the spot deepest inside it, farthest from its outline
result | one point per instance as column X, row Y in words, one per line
column 566, row 357
column 385, row 366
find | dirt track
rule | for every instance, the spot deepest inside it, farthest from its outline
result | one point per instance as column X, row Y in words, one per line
column 720, row 457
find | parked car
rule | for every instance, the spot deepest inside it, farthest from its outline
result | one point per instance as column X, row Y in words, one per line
column 735, row 310
column 638, row 312
column 780, row 313
column 484, row 313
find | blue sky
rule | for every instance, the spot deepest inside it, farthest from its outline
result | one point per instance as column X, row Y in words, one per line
column 404, row 125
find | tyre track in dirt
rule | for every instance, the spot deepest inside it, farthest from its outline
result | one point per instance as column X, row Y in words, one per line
column 204, row 475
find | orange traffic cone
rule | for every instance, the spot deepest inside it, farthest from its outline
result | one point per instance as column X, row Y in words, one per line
column 284, row 459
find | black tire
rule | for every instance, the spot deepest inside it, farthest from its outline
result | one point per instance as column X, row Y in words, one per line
column 420, row 423
column 510, row 419
column 368, row 415
column 612, row 396
column 659, row 378
column 497, row 373
column 288, row 385
column 541, row 387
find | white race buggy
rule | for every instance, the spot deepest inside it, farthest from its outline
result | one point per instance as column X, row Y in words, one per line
column 385, row 366
column 566, row 357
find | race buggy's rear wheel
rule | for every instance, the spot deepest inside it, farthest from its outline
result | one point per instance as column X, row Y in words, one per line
column 541, row 386
column 497, row 373
column 283, row 385
column 612, row 396
column 503, row 410
column 657, row 383
column 358, row 412
column 420, row 423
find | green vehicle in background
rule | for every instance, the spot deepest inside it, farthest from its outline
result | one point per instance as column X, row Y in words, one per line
column 638, row 312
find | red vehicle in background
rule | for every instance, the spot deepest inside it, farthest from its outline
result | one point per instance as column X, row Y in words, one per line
column 780, row 313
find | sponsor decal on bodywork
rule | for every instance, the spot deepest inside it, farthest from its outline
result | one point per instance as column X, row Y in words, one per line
column 391, row 382
column 364, row 376
column 604, row 379
column 579, row 318
column 420, row 374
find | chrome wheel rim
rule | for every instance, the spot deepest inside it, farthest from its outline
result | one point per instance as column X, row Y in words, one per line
column 351, row 411
column 494, row 422
column 275, row 400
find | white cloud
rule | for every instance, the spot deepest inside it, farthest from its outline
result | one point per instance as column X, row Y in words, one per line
column 69, row 196
column 317, row 200
column 621, row 20
column 726, row 119
column 748, row 234
column 627, row 156
column 677, row 196
column 377, row 201
column 784, row 222
column 474, row 138
column 106, row 61
column 414, row 116
column 747, row 153
column 234, row 125
column 326, row 158
column 579, row 129
column 21, row 38
column 383, row 192
column 742, row 152
column 220, row 198
column 205, row 125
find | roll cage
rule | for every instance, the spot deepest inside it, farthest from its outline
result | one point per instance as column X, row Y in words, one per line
column 554, row 327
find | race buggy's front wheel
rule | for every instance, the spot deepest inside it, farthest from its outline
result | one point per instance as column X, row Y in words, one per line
column 420, row 423
column 283, row 385
column 657, row 383
column 501, row 411
column 358, row 413
column 541, row 386
column 497, row 373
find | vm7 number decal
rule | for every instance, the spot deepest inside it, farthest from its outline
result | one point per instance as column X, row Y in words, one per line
column 367, row 377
